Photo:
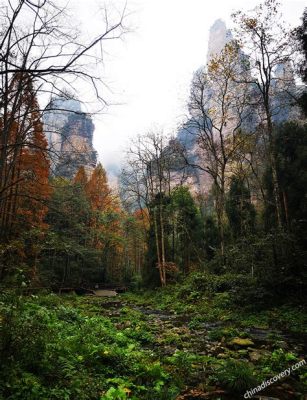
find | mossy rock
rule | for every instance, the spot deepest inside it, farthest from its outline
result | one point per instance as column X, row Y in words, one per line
column 241, row 342
column 255, row 356
column 243, row 352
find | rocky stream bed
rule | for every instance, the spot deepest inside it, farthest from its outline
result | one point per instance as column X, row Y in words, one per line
column 176, row 332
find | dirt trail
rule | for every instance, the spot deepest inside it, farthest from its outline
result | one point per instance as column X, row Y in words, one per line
column 105, row 293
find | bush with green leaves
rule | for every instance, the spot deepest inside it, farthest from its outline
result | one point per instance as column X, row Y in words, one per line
column 278, row 361
column 236, row 376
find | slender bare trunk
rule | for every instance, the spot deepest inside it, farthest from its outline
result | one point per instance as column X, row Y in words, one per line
column 162, row 245
column 158, row 247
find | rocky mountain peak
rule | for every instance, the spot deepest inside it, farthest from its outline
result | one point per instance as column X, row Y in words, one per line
column 69, row 131
column 219, row 36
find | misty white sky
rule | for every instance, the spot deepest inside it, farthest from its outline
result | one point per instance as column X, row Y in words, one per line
column 150, row 70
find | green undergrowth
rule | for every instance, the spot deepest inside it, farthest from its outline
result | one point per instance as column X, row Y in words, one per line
column 231, row 297
column 69, row 347
column 61, row 348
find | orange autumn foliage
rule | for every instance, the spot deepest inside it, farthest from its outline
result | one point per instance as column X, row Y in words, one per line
column 106, row 220
column 98, row 191
column 81, row 178
column 27, row 164
column 34, row 189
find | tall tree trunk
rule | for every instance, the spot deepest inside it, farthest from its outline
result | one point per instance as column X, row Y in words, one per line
column 273, row 165
column 158, row 247
column 162, row 244
column 285, row 201
column 220, row 209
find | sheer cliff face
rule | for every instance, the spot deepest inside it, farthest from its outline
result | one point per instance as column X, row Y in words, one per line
column 70, row 136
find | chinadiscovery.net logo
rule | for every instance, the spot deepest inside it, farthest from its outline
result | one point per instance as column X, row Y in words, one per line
column 249, row 393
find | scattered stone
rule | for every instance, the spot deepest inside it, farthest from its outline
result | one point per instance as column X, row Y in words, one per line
column 286, row 386
column 222, row 355
column 199, row 394
column 254, row 356
column 242, row 352
column 217, row 349
column 282, row 344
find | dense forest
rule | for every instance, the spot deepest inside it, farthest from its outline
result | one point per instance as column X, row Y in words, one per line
column 205, row 231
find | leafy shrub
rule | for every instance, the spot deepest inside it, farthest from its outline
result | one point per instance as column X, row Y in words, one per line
column 236, row 376
column 231, row 288
column 136, row 282
column 278, row 360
